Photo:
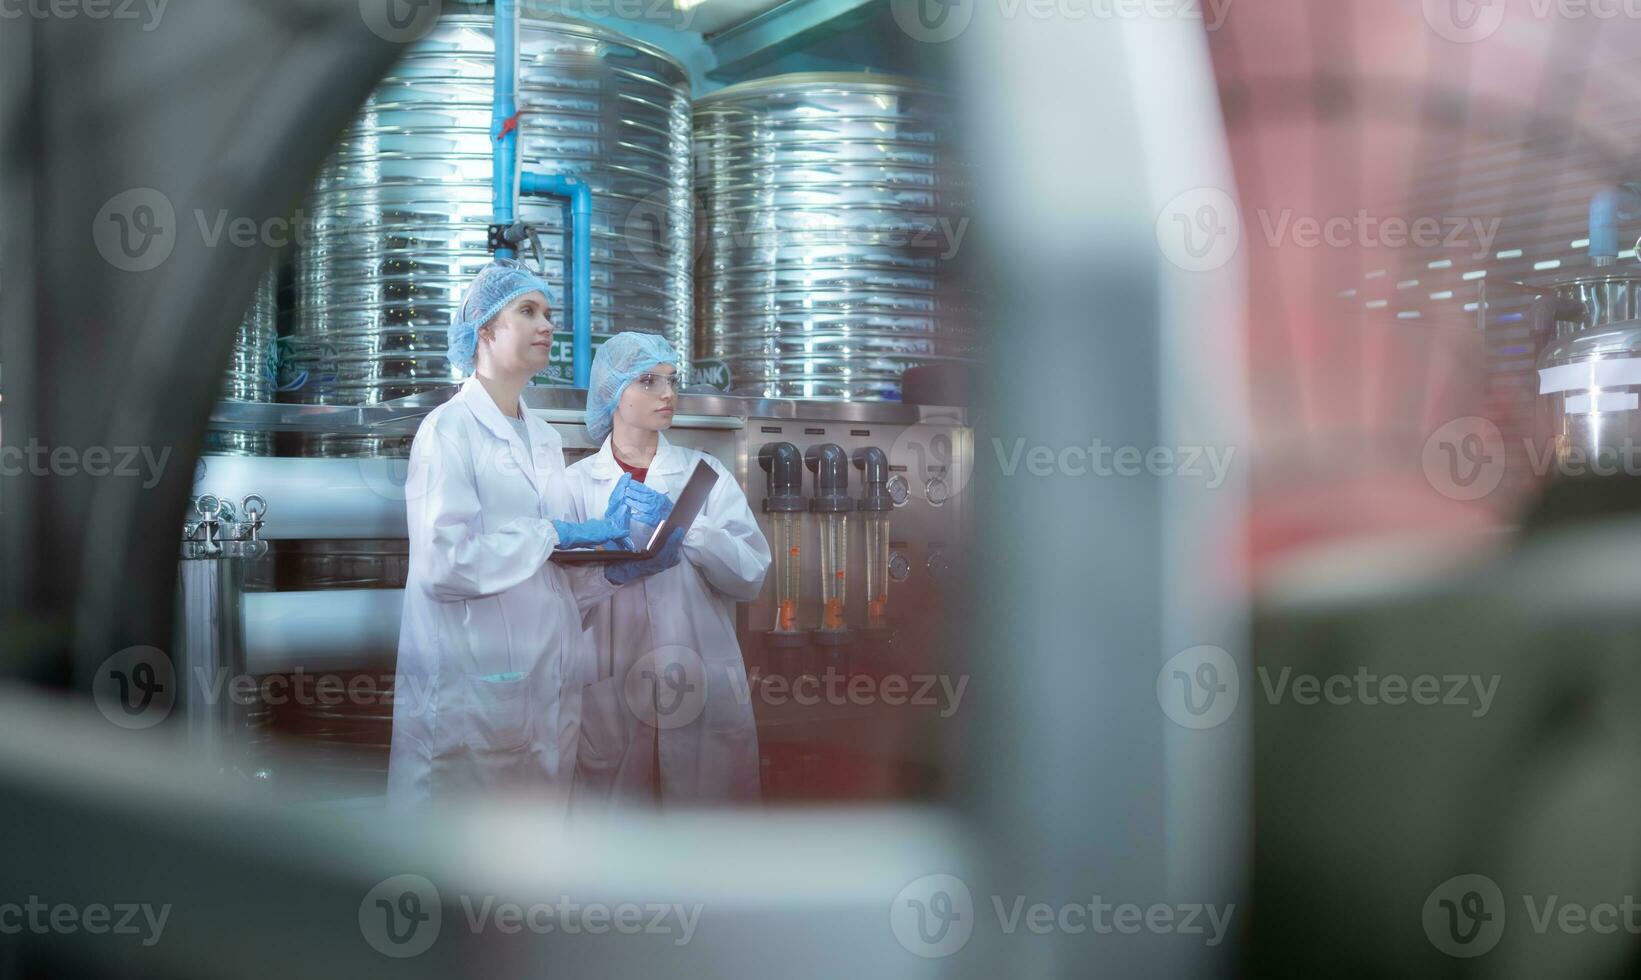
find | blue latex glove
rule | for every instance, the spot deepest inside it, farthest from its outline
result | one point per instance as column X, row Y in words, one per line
column 618, row 496
column 671, row 553
column 610, row 530
column 649, row 506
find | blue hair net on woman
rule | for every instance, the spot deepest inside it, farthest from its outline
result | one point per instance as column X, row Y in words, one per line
column 495, row 285
column 621, row 360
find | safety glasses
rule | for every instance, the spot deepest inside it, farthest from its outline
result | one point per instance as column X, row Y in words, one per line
column 654, row 384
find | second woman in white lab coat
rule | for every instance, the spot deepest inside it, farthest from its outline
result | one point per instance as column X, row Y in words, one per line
column 666, row 715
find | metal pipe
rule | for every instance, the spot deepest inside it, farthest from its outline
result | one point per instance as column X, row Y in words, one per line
column 578, row 201
column 210, row 653
column 1606, row 208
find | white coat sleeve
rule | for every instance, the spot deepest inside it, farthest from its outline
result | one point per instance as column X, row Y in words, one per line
column 457, row 558
column 725, row 542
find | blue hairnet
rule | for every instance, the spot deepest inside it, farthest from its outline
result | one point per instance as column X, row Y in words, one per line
column 495, row 285
column 622, row 358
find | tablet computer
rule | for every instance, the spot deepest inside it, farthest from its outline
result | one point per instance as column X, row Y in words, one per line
column 684, row 511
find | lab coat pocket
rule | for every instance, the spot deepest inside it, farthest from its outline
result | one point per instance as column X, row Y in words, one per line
column 501, row 717
column 607, row 726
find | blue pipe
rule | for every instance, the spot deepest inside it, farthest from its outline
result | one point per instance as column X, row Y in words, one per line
column 578, row 202
column 504, row 146
column 506, row 183
column 573, row 192
column 1607, row 207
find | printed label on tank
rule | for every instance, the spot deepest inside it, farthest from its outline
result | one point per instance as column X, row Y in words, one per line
column 712, row 374
column 559, row 372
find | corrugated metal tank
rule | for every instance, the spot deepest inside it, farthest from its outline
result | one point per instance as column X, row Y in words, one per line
column 830, row 212
column 250, row 374
column 397, row 221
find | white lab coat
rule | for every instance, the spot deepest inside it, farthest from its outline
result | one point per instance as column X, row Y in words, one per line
column 491, row 635
column 665, row 672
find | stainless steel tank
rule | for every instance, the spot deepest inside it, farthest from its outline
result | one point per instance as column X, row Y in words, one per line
column 1594, row 299
column 396, row 225
column 250, row 374
column 830, row 214
column 1590, row 383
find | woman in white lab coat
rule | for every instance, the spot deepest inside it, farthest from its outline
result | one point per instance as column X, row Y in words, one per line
column 666, row 714
column 491, row 633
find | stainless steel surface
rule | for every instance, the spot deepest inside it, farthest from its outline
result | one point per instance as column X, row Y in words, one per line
column 1581, row 439
column 250, row 375
column 400, row 210
column 1605, row 297
column 351, row 564
column 316, row 498
column 210, row 655
column 401, row 416
column 830, row 212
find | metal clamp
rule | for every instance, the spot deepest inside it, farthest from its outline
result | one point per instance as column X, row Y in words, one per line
column 219, row 533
